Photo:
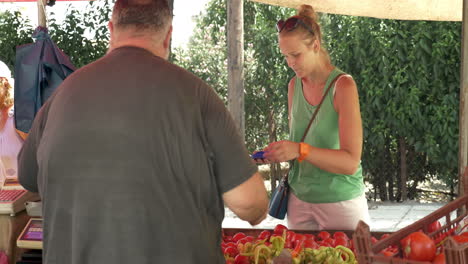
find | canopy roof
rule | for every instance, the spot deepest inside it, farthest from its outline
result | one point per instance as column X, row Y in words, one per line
column 36, row 0
column 439, row 10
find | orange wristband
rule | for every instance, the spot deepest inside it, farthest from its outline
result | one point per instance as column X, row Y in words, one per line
column 304, row 150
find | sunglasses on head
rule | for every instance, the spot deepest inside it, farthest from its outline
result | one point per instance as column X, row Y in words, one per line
column 291, row 23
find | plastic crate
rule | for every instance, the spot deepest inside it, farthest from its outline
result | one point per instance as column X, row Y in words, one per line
column 449, row 215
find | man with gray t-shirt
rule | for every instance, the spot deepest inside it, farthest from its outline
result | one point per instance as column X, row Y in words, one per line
column 134, row 157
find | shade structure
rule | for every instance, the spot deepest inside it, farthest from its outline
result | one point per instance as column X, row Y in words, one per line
column 40, row 67
column 437, row 10
column 12, row 1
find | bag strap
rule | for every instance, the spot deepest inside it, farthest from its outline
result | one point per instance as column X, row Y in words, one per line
column 285, row 177
column 319, row 105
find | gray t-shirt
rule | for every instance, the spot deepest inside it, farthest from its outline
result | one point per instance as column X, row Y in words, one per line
column 131, row 156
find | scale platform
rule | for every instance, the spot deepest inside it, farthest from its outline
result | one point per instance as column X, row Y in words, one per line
column 12, row 184
column 13, row 197
column 31, row 236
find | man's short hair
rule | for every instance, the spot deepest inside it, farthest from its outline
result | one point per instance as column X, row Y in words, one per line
column 142, row 14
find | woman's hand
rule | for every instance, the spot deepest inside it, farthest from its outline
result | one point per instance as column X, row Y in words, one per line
column 280, row 151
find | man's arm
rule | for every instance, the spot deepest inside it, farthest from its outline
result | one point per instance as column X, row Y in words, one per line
column 27, row 157
column 248, row 200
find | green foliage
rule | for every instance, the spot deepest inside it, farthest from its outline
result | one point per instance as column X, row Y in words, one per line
column 266, row 75
column 206, row 54
column 408, row 75
column 83, row 35
column 14, row 30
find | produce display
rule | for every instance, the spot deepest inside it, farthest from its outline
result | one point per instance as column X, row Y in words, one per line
column 418, row 246
column 281, row 242
column 334, row 247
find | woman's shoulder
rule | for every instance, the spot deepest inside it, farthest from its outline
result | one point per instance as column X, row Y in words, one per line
column 345, row 80
column 292, row 82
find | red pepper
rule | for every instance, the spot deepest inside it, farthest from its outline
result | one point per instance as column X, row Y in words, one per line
column 297, row 250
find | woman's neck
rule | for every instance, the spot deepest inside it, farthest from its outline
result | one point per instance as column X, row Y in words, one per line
column 320, row 75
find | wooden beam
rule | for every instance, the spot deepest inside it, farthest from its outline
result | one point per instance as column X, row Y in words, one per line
column 41, row 13
column 463, row 140
column 439, row 10
column 235, row 39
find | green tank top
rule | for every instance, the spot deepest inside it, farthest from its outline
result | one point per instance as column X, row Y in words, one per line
column 308, row 182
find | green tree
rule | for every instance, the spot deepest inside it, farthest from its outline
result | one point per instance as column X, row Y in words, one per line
column 14, row 30
column 408, row 78
column 266, row 73
column 83, row 35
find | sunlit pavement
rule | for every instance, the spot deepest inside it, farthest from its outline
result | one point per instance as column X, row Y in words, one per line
column 385, row 217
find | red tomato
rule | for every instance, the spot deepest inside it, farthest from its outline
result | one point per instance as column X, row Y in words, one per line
column 231, row 251
column 387, row 253
column 243, row 241
column 299, row 237
column 434, row 227
column 418, row 246
column 279, row 228
column 461, row 239
column 324, row 244
column 384, row 236
column 238, row 236
column 249, row 238
column 290, row 235
column 310, row 236
column 227, row 238
column 223, row 245
column 323, row 235
column 464, row 234
column 374, row 240
column 239, row 259
column 231, row 244
column 340, row 241
column 265, row 234
column 310, row 243
column 330, row 241
column 340, row 234
column 439, row 259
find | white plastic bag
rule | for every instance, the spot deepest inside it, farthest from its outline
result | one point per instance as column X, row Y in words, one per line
column 2, row 176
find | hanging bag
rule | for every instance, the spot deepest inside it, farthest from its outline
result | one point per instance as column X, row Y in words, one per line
column 278, row 206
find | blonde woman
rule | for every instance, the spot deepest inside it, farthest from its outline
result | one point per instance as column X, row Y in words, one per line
column 327, row 189
column 10, row 139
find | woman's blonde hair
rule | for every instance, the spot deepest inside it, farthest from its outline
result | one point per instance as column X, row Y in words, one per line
column 310, row 18
column 5, row 93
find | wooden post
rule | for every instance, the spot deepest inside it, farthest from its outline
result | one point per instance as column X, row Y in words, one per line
column 235, row 39
column 463, row 148
column 41, row 14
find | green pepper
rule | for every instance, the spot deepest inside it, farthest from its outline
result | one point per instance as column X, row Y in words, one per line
column 277, row 243
column 258, row 253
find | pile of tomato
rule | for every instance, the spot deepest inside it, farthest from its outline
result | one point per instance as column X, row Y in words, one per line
column 325, row 247
column 301, row 248
column 420, row 247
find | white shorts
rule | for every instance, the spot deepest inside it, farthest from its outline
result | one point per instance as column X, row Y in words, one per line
column 343, row 215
